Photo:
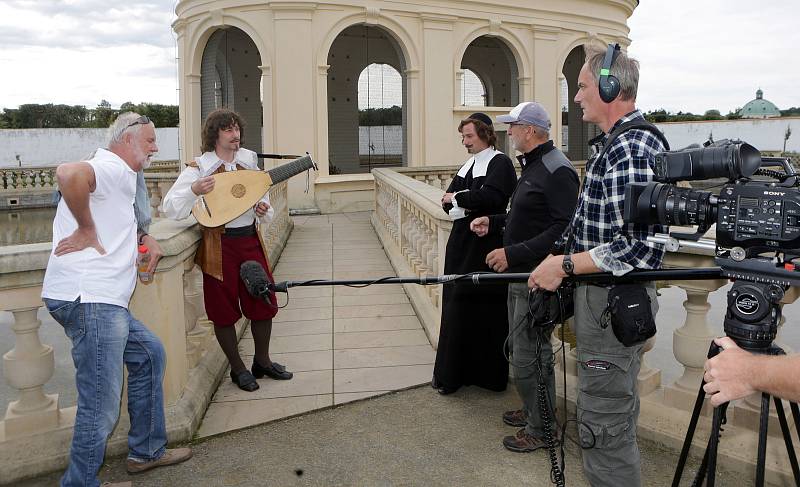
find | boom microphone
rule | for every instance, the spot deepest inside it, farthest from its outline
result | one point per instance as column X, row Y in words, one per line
column 256, row 280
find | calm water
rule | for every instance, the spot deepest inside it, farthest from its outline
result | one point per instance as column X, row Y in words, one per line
column 26, row 226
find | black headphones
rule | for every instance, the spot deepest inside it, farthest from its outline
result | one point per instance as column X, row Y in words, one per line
column 608, row 84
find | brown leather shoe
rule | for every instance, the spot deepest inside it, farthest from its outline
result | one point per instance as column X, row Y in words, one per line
column 523, row 442
column 517, row 418
column 170, row 457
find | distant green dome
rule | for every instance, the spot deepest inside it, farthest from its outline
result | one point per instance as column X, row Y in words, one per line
column 760, row 108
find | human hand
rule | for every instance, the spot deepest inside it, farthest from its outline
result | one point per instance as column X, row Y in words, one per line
column 447, row 198
column 155, row 251
column 261, row 209
column 729, row 375
column 79, row 239
column 496, row 260
column 480, row 226
column 203, row 185
column 547, row 275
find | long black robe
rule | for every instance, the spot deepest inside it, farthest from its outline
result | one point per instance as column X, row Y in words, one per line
column 474, row 318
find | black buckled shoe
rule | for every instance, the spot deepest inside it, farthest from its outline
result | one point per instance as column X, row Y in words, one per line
column 275, row 371
column 245, row 380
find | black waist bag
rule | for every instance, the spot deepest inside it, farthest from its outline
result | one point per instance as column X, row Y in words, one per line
column 630, row 314
column 550, row 308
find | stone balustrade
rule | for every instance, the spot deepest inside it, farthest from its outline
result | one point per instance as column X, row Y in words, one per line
column 16, row 179
column 441, row 176
column 410, row 222
column 171, row 306
column 414, row 231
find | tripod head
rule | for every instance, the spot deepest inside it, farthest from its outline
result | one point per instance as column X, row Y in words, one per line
column 753, row 314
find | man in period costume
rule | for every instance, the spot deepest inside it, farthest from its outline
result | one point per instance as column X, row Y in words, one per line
column 474, row 326
column 224, row 248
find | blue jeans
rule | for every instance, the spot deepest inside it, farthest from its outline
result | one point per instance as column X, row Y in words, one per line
column 105, row 336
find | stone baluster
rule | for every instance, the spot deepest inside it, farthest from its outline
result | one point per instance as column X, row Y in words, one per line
column 649, row 377
column 27, row 367
column 690, row 343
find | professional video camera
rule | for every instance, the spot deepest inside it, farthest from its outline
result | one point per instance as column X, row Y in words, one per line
column 758, row 224
column 757, row 239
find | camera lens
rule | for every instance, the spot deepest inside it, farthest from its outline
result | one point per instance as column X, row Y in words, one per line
column 684, row 206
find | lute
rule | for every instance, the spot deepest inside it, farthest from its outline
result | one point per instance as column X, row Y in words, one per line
column 235, row 192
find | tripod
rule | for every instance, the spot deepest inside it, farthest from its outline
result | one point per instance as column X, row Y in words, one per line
column 751, row 320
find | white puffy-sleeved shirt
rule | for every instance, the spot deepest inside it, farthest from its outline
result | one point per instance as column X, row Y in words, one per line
column 180, row 198
column 96, row 278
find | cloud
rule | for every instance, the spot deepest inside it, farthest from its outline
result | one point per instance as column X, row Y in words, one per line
column 714, row 54
column 80, row 24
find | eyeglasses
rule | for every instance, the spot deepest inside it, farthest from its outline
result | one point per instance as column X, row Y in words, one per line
column 141, row 120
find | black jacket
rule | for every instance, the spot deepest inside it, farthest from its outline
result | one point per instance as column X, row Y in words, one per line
column 541, row 207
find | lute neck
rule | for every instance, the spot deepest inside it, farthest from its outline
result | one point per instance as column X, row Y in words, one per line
column 285, row 171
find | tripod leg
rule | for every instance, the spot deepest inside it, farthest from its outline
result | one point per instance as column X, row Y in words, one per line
column 762, row 440
column 787, row 439
column 701, row 471
column 687, row 442
column 713, row 443
column 796, row 416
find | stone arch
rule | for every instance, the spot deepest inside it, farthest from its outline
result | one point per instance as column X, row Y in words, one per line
column 513, row 46
column 357, row 46
column 400, row 34
column 205, row 29
column 230, row 77
column 578, row 132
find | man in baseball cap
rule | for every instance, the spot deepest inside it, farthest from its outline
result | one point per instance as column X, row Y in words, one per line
column 527, row 113
column 541, row 208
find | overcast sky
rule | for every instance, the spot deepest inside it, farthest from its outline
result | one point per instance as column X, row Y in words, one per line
column 695, row 54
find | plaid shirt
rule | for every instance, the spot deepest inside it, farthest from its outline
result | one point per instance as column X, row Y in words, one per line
column 598, row 226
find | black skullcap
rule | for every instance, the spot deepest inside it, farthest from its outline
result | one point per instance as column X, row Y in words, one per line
column 482, row 117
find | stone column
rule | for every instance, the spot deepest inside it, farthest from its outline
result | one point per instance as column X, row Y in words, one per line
column 457, row 94
column 294, row 79
column 545, row 75
column 267, row 113
column 437, row 34
column 322, row 122
column 27, row 367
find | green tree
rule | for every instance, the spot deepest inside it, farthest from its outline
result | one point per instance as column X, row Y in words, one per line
column 376, row 117
column 791, row 112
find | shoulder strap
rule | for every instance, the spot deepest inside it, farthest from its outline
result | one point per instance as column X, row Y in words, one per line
column 633, row 124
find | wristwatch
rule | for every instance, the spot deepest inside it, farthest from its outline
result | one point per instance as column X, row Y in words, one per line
column 568, row 266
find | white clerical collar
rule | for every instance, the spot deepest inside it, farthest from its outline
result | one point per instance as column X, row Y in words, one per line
column 209, row 162
column 478, row 162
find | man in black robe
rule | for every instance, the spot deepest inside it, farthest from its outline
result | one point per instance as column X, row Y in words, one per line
column 474, row 324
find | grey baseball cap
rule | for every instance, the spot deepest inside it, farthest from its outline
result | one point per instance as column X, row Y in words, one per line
column 530, row 112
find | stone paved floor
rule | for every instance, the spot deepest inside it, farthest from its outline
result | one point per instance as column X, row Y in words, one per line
column 342, row 343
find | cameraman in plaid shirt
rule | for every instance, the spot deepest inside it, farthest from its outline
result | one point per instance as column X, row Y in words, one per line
column 608, row 402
